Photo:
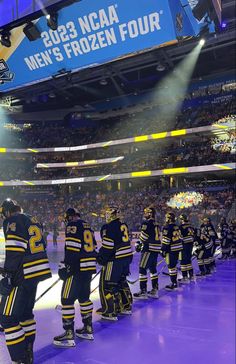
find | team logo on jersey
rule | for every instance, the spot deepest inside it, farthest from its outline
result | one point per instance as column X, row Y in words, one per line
column 5, row 74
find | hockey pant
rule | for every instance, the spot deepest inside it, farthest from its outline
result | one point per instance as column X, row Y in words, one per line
column 186, row 262
column 204, row 260
column 148, row 261
column 172, row 259
column 114, row 290
column 17, row 319
column 76, row 287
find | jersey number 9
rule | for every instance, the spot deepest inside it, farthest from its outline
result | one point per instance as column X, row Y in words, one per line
column 88, row 241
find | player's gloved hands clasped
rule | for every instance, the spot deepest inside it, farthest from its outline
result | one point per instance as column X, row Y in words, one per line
column 138, row 246
column 63, row 271
column 100, row 260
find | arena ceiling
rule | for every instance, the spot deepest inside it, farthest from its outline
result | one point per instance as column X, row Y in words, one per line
column 131, row 75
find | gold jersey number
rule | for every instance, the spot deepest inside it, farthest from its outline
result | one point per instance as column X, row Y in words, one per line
column 124, row 230
column 88, row 241
column 35, row 241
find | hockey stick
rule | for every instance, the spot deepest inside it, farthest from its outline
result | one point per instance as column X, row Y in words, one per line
column 195, row 257
column 48, row 289
column 136, row 280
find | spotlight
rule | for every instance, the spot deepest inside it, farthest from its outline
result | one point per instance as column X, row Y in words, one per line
column 32, row 32
column 5, row 38
column 202, row 42
column 160, row 67
column 52, row 21
column 103, row 82
column 223, row 25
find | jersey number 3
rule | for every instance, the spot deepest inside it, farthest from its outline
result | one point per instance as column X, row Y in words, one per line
column 125, row 237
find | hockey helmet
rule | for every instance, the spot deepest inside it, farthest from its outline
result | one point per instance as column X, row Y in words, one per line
column 149, row 213
column 170, row 218
column 206, row 220
column 112, row 213
column 183, row 218
column 8, row 207
column 70, row 214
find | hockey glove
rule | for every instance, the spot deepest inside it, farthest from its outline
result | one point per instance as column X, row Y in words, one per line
column 64, row 271
column 163, row 254
column 100, row 260
column 138, row 246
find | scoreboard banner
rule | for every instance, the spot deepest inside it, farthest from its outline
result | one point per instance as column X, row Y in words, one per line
column 90, row 33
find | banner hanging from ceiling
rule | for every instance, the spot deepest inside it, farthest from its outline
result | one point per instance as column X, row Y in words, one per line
column 91, row 33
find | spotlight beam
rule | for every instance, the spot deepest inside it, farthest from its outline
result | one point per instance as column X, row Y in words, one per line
column 174, row 87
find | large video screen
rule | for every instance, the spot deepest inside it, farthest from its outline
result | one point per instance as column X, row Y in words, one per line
column 91, row 33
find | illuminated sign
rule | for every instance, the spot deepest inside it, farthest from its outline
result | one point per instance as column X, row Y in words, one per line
column 91, row 33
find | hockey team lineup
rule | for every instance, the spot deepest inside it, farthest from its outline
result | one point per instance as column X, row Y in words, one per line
column 84, row 263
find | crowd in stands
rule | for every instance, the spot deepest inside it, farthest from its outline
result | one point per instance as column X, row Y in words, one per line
column 50, row 208
column 146, row 122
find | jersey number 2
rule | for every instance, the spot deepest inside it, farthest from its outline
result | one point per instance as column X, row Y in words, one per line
column 36, row 246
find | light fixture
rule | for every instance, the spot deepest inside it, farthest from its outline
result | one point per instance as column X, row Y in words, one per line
column 160, row 67
column 5, row 38
column 103, row 82
column 202, row 42
column 52, row 21
column 32, row 32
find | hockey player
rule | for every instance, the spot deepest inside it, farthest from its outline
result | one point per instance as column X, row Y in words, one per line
column 187, row 236
column 214, row 239
column 171, row 248
column 76, row 272
column 26, row 264
column 206, row 246
column 150, row 246
column 224, row 233
column 115, row 256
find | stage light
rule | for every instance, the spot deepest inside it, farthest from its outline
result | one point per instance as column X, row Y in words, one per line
column 103, row 82
column 32, row 32
column 202, row 42
column 52, row 21
column 223, row 25
column 5, row 38
column 160, row 67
